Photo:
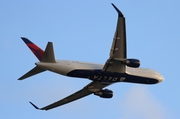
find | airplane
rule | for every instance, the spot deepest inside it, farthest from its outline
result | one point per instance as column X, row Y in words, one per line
column 117, row 68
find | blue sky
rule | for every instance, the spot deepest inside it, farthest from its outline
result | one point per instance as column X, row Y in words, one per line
column 83, row 31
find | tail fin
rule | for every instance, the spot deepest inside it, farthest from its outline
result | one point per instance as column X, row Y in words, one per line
column 43, row 56
column 38, row 52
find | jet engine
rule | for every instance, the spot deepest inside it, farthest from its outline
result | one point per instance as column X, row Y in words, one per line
column 104, row 93
column 135, row 63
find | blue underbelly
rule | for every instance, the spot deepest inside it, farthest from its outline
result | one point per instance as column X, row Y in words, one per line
column 112, row 77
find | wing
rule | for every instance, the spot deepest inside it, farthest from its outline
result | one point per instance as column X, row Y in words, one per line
column 118, row 48
column 87, row 90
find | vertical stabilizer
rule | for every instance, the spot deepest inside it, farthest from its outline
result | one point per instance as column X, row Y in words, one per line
column 43, row 56
column 38, row 52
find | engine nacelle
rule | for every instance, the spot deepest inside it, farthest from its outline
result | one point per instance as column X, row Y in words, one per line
column 135, row 63
column 104, row 93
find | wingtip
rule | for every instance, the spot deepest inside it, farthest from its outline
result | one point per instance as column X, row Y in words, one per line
column 119, row 12
column 34, row 105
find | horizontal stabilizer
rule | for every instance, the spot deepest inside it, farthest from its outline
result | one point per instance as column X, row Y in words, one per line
column 32, row 72
column 49, row 54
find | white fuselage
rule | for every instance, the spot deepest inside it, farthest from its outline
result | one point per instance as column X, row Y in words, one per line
column 64, row 67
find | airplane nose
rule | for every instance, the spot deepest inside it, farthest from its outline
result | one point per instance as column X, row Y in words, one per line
column 160, row 78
